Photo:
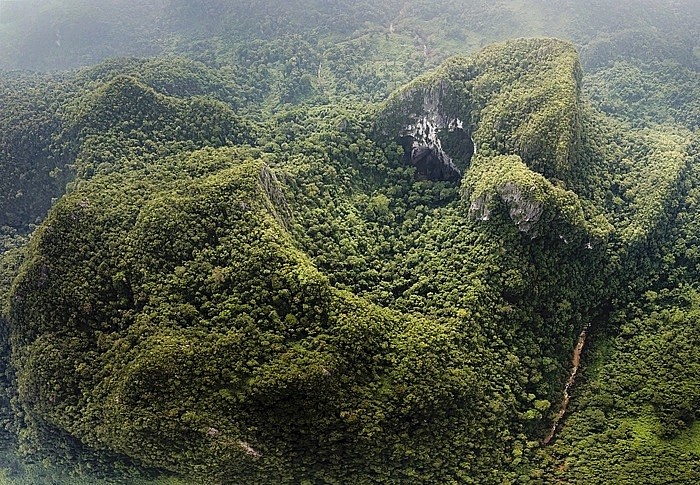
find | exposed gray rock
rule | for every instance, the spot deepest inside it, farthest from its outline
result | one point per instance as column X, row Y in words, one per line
column 249, row 450
column 424, row 150
column 417, row 119
column 479, row 208
column 524, row 211
column 271, row 186
column 432, row 163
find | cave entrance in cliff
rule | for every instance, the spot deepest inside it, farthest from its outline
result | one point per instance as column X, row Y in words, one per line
column 446, row 160
column 458, row 144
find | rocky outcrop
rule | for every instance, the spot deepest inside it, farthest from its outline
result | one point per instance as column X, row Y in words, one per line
column 278, row 203
column 505, row 186
column 423, row 147
column 523, row 209
column 530, row 109
column 421, row 118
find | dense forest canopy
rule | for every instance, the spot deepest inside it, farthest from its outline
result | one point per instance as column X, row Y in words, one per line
column 324, row 241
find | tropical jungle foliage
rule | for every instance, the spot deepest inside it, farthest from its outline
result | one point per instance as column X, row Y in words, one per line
column 223, row 264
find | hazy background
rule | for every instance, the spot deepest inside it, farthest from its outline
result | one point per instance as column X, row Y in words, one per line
column 59, row 34
column 260, row 58
column 321, row 51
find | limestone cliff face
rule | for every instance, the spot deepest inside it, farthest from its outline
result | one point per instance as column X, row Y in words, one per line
column 518, row 98
column 423, row 147
column 524, row 210
column 423, row 129
column 503, row 189
column 419, row 119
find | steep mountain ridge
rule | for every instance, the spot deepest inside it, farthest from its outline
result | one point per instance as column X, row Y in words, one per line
column 295, row 299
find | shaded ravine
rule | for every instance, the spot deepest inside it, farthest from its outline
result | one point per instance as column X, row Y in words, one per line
column 575, row 362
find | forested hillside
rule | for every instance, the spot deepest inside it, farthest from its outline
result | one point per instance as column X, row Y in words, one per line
column 306, row 243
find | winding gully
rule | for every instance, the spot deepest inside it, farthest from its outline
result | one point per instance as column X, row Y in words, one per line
column 575, row 362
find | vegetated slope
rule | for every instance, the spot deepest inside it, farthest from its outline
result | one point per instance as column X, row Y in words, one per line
column 261, row 58
column 140, row 107
column 315, row 51
column 638, row 402
column 648, row 92
column 331, row 302
column 634, row 416
column 33, row 173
